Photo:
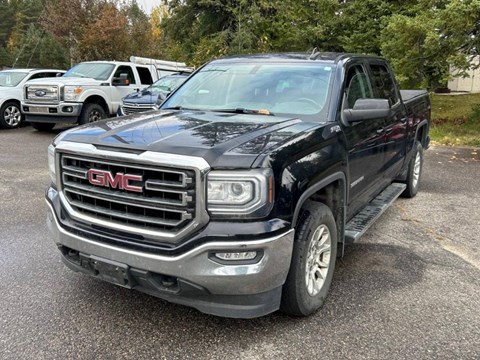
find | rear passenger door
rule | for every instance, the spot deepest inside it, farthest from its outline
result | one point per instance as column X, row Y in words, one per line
column 365, row 141
column 395, row 131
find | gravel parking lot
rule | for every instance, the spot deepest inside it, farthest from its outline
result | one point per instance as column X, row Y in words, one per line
column 409, row 289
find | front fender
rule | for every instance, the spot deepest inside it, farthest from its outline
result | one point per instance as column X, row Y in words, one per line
column 94, row 92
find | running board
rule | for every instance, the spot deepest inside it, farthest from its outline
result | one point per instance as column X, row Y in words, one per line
column 360, row 223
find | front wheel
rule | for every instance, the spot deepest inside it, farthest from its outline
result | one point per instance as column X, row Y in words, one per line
column 313, row 261
column 10, row 115
column 414, row 173
column 91, row 113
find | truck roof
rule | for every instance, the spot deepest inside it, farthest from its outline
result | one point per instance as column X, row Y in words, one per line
column 332, row 57
column 28, row 70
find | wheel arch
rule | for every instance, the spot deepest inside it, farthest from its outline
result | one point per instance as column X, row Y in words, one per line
column 331, row 191
column 421, row 133
column 16, row 101
column 98, row 99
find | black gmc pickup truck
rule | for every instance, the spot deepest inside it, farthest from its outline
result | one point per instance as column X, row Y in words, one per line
column 238, row 195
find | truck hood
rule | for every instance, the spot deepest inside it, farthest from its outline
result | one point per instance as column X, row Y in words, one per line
column 222, row 139
column 4, row 90
column 78, row 81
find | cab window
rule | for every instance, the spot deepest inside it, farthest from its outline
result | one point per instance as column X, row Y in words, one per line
column 123, row 69
column 383, row 84
column 357, row 86
column 145, row 76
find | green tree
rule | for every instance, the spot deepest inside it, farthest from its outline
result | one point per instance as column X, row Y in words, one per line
column 440, row 34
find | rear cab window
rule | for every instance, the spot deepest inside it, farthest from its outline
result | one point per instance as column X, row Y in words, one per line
column 383, row 84
column 145, row 75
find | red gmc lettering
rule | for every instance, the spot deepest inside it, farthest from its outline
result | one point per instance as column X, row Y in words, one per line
column 127, row 186
column 120, row 181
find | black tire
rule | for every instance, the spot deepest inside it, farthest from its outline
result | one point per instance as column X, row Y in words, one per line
column 414, row 173
column 42, row 126
column 296, row 297
column 10, row 115
column 91, row 112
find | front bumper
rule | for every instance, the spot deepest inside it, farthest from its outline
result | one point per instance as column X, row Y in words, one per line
column 52, row 113
column 241, row 290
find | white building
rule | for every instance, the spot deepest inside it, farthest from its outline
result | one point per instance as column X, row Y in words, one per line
column 467, row 84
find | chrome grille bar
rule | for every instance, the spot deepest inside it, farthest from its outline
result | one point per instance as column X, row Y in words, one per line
column 134, row 199
column 45, row 94
column 135, row 109
column 130, row 217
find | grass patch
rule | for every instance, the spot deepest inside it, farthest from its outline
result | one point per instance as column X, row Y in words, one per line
column 456, row 119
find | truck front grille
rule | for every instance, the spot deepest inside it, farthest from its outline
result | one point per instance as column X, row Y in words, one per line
column 44, row 94
column 141, row 199
column 129, row 109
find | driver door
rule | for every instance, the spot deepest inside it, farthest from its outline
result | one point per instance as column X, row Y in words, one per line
column 120, row 91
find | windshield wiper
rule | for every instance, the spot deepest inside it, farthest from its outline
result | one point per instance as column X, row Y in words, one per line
column 174, row 108
column 246, row 111
column 179, row 108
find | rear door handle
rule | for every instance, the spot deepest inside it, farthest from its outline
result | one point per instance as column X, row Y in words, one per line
column 380, row 131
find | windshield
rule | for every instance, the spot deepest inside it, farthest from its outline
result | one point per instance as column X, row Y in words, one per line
column 298, row 90
column 97, row 71
column 11, row 78
column 167, row 84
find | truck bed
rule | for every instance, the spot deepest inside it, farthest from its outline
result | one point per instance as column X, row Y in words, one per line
column 416, row 101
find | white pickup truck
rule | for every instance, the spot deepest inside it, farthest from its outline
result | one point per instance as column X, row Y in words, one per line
column 89, row 91
column 11, row 88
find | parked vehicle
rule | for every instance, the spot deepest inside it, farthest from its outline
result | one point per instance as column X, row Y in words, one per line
column 89, row 91
column 11, row 88
column 238, row 195
column 148, row 98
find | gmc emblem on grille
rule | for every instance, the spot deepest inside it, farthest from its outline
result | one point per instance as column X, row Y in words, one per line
column 119, row 181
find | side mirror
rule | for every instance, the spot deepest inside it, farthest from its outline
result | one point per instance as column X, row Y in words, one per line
column 121, row 81
column 367, row 109
column 58, row 74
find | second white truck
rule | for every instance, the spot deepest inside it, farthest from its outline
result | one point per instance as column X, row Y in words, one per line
column 89, row 91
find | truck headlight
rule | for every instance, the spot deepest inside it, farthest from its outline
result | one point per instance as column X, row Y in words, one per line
column 51, row 163
column 247, row 193
column 71, row 93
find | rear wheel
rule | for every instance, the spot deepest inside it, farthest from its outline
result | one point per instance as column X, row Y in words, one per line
column 313, row 261
column 10, row 115
column 414, row 173
column 91, row 113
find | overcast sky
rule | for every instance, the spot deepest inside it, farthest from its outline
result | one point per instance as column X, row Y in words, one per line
column 148, row 5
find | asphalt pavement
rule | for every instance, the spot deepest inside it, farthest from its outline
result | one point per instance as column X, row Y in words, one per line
column 409, row 289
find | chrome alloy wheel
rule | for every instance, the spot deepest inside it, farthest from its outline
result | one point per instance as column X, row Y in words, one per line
column 12, row 116
column 416, row 169
column 318, row 260
column 94, row 116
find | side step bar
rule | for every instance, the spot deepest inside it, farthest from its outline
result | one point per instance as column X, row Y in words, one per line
column 360, row 223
